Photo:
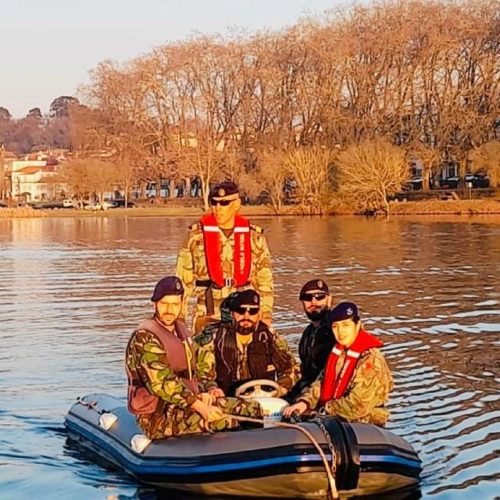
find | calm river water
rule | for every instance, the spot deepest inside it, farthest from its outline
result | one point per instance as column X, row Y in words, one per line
column 72, row 290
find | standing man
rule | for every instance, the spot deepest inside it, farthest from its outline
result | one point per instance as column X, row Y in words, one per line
column 163, row 391
column 232, row 352
column 224, row 253
column 356, row 382
column 317, row 340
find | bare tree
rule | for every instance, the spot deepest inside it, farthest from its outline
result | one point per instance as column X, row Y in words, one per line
column 89, row 176
column 486, row 159
column 271, row 175
column 76, row 175
column 371, row 172
column 422, row 74
column 312, row 169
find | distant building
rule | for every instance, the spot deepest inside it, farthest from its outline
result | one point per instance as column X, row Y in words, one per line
column 36, row 182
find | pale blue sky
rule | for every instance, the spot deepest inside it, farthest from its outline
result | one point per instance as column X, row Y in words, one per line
column 47, row 47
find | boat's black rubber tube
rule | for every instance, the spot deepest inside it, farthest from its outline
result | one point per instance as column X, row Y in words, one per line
column 346, row 445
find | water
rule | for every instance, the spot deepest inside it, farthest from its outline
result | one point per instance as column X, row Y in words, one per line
column 72, row 290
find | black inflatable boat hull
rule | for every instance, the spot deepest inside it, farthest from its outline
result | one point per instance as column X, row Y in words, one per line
column 270, row 462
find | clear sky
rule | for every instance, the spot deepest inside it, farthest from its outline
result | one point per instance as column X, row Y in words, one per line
column 47, row 47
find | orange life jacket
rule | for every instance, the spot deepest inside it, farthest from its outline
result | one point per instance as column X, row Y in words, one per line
column 242, row 254
column 334, row 387
column 140, row 400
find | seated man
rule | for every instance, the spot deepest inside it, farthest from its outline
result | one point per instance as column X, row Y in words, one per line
column 317, row 339
column 356, row 381
column 163, row 390
column 232, row 352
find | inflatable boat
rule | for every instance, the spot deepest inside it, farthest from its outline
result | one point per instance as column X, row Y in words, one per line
column 267, row 462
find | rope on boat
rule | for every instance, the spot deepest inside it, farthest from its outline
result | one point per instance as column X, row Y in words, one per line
column 334, row 494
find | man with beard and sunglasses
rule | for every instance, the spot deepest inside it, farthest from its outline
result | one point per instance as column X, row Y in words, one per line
column 316, row 341
column 224, row 253
column 243, row 348
column 163, row 390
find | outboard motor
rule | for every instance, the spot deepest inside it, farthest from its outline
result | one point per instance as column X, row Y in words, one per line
column 272, row 409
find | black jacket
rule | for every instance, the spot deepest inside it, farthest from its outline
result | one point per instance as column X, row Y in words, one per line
column 315, row 346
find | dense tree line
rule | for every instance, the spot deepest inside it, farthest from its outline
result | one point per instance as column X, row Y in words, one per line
column 36, row 132
column 308, row 105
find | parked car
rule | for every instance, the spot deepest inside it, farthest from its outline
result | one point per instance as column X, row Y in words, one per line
column 98, row 206
column 68, row 203
column 470, row 178
column 121, row 203
column 450, row 182
column 480, row 180
column 416, row 182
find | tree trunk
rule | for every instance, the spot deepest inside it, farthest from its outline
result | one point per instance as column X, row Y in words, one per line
column 205, row 193
column 426, row 171
column 125, row 194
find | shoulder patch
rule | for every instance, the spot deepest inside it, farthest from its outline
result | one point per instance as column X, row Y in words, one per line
column 257, row 229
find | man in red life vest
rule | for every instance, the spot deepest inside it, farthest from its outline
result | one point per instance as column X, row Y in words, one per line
column 224, row 253
column 163, row 391
column 356, row 381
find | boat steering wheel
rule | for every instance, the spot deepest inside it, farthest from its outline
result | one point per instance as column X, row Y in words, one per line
column 256, row 389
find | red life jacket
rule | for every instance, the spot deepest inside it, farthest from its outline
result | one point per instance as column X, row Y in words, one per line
column 242, row 254
column 140, row 400
column 333, row 388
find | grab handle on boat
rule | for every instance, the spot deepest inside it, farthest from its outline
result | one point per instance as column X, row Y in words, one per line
column 106, row 420
column 139, row 442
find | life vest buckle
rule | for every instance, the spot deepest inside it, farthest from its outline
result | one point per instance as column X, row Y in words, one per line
column 229, row 282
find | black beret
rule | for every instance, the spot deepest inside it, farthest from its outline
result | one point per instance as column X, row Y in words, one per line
column 224, row 189
column 342, row 311
column 245, row 298
column 316, row 285
column 170, row 285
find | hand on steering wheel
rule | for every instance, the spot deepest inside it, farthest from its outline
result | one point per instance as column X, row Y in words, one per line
column 255, row 389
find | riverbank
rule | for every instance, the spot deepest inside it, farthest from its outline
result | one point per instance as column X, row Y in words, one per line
column 447, row 207
column 433, row 207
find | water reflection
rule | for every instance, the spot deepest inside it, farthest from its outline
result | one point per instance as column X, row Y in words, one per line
column 72, row 290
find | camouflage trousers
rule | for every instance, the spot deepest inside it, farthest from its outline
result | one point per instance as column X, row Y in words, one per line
column 169, row 420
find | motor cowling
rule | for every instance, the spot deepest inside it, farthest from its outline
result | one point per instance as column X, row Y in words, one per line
column 272, row 409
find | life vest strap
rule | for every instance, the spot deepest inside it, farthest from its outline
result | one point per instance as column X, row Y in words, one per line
column 228, row 282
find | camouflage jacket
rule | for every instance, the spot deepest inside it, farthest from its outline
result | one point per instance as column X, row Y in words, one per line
column 366, row 395
column 275, row 361
column 191, row 267
column 146, row 356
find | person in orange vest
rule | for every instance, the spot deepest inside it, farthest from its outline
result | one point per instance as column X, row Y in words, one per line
column 356, row 381
column 163, row 390
column 224, row 253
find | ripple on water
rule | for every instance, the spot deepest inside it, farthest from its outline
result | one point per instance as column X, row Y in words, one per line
column 76, row 289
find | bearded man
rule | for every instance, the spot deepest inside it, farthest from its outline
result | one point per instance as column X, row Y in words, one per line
column 316, row 341
column 243, row 348
column 163, row 391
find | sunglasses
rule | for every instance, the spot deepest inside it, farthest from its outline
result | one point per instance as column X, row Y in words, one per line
column 222, row 203
column 308, row 297
column 250, row 310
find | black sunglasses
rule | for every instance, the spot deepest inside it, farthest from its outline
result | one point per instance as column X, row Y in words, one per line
column 250, row 310
column 308, row 297
column 222, row 203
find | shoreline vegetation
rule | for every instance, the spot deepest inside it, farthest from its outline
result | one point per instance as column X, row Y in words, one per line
column 358, row 104
column 429, row 207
